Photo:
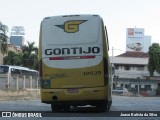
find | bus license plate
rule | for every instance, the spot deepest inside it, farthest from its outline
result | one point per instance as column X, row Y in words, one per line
column 72, row 90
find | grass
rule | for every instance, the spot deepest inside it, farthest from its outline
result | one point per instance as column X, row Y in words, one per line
column 7, row 95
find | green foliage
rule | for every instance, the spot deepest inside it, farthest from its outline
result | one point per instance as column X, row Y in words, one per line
column 30, row 56
column 154, row 59
column 13, row 58
column 3, row 38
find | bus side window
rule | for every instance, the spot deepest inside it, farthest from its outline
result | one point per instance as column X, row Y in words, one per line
column 33, row 73
column 4, row 69
column 30, row 73
column 15, row 71
column 25, row 72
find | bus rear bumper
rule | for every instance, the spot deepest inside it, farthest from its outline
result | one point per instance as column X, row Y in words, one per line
column 76, row 102
column 83, row 96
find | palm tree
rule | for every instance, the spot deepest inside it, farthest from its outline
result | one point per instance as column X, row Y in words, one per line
column 3, row 38
column 30, row 55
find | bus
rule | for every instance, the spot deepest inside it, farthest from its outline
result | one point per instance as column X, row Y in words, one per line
column 74, row 64
column 12, row 76
column 17, row 70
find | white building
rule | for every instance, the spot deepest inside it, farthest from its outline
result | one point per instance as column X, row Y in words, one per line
column 17, row 36
column 132, row 72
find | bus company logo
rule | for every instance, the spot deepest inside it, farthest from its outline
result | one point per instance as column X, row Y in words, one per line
column 71, row 26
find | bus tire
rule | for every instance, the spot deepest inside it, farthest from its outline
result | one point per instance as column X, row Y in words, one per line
column 103, row 106
column 66, row 108
column 110, row 103
column 56, row 108
column 108, row 106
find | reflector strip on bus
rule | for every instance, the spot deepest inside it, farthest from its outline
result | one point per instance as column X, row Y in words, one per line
column 71, row 57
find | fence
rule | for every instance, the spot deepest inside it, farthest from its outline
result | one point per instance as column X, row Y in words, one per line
column 18, row 82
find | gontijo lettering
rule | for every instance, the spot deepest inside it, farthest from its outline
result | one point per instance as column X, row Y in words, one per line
column 74, row 50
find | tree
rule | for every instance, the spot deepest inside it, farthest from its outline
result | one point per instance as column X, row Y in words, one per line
column 3, row 38
column 154, row 59
column 13, row 59
column 30, row 55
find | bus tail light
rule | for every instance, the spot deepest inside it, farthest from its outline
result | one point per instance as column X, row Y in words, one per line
column 72, row 57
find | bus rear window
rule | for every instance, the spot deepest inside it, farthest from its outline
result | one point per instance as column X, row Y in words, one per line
column 78, row 31
column 4, row 69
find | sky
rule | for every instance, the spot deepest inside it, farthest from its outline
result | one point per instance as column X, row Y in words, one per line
column 117, row 15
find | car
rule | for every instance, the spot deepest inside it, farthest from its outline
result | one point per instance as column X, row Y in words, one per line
column 119, row 90
column 158, row 92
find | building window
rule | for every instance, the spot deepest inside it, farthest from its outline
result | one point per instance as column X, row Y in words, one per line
column 140, row 68
column 116, row 67
column 126, row 67
column 148, row 87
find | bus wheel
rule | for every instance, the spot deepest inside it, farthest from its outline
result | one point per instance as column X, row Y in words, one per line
column 56, row 108
column 110, row 103
column 66, row 108
column 108, row 106
column 103, row 107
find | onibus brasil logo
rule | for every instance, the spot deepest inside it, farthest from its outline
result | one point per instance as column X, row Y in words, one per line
column 71, row 26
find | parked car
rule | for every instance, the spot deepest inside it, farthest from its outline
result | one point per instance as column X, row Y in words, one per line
column 158, row 91
column 120, row 90
column 152, row 93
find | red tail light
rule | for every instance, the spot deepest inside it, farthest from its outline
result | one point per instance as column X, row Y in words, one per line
column 71, row 57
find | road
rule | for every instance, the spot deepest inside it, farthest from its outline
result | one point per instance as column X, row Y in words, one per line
column 122, row 104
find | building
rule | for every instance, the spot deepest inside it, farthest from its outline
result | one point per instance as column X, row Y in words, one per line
column 14, row 48
column 17, row 36
column 17, row 40
column 131, row 67
column 132, row 73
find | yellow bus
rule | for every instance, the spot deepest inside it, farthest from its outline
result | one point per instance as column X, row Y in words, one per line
column 74, row 63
